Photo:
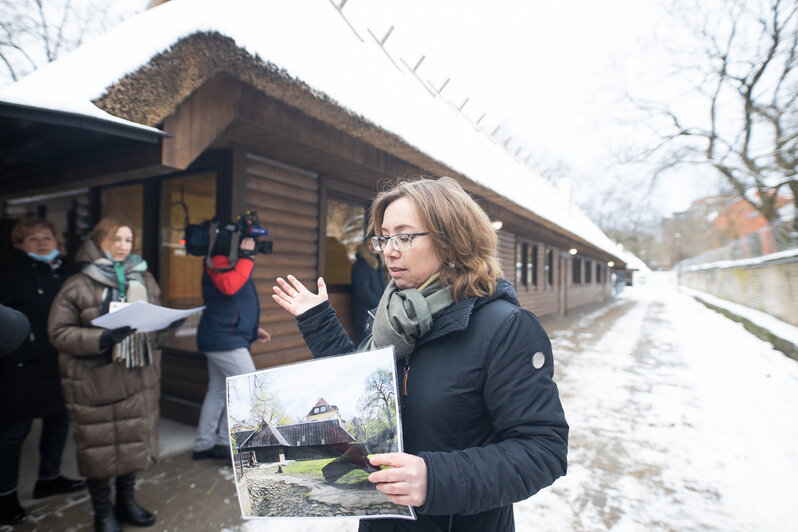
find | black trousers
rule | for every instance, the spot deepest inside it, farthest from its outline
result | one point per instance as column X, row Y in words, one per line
column 51, row 447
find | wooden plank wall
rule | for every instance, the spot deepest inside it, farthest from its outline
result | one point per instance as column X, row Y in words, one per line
column 540, row 299
column 287, row 203
column 507, row 254
column 584, row 293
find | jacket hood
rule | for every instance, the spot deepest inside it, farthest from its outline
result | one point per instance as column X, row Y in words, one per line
column 88, row 251
column 363, row 252
column 457, row 316
column 504, row 290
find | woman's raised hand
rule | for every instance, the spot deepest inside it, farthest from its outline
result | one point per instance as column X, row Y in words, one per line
column 295, row 298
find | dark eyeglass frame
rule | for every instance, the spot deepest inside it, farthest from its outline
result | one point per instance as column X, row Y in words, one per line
column 379, row 242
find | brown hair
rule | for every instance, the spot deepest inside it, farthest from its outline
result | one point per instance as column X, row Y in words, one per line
column 26, row 226
column 107, row 228
column 463, row 236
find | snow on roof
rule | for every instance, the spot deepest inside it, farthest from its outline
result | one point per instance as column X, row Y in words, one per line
column 311, row 42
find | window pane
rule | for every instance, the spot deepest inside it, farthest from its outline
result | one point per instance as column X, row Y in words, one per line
column 519, row 264
column 344, row 233
column 190, row 199
column 128, row 203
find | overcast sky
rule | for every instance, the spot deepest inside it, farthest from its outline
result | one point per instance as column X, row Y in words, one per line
column 555, row 76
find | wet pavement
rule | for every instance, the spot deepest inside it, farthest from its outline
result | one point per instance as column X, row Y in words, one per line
column 680, row 420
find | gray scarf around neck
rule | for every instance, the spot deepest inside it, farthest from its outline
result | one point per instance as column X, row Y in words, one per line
column 404, row 316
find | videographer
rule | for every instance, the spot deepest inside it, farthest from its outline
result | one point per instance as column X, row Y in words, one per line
column 228, row 326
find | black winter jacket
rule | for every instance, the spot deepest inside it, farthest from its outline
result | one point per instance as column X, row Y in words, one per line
column 30, row 385
column 486, row 421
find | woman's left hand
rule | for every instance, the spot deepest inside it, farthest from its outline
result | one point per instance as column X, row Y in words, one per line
column 295, row 298
column 405, row 482
column 263, row 335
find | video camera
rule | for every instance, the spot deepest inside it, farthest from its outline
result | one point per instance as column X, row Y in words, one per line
column 212, row 238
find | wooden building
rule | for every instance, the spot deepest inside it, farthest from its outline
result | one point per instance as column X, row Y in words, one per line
column 195, row 124
column 300, row 441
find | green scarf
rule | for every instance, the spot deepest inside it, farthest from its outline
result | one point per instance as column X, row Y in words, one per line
column 404, row 316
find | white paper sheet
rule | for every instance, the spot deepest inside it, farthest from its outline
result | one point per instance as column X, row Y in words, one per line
column 143, row 316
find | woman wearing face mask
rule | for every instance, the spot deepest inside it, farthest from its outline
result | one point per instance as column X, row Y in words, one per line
column 110, row 378
column 482, row 422
column 29, row 382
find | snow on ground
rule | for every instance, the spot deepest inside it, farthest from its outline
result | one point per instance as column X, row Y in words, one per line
column 680, row 420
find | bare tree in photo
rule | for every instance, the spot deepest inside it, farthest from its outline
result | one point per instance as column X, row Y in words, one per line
column 266, row 405
column 379, row 399
column 745, row 124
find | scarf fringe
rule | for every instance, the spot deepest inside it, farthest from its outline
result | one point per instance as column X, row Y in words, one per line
column 134, row 351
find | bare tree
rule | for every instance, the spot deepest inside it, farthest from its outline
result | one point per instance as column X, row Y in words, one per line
column 265, row 405
column 746, row 124
column 378, row 398
column 35, row 32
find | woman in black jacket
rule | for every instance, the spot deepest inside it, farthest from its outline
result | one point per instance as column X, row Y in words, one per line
column 482, row 420
column 30, row 387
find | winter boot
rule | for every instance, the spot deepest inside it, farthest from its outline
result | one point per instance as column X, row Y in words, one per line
column 104, row 518
column 127, row 509
column 11, row 513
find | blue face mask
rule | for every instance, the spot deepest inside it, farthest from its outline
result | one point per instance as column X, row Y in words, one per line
column 50, row 257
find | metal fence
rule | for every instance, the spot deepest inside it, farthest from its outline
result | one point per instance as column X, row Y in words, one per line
column 773, row 238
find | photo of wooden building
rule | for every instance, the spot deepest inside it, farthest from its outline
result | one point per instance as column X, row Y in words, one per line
column 209, row 113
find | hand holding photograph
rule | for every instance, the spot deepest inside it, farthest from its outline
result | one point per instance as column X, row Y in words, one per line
column 302, row 436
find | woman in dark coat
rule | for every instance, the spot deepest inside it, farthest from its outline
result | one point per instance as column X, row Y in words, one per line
column 481, row 416
column 29, row 383
column 368, row 284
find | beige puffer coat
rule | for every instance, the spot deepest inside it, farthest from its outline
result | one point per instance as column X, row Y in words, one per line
column 113, row 409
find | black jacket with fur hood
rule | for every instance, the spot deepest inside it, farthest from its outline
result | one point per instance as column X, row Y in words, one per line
column 482, row 410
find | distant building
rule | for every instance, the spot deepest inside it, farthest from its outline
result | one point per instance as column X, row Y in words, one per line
column 322, row 411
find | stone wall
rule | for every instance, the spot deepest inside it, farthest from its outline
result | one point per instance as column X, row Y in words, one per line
column 767, row 285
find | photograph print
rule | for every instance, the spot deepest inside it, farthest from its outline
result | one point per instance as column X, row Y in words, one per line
column 302, row 435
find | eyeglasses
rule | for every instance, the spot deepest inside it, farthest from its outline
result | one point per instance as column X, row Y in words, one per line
column 399, row 242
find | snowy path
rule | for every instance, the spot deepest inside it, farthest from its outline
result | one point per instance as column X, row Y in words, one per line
column 680, row 420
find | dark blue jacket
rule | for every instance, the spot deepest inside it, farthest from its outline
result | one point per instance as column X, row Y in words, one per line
column 368, row 284
column 488, row 423
column 228, row 321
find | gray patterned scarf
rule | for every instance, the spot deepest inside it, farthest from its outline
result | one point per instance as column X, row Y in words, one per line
column 404, row 316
